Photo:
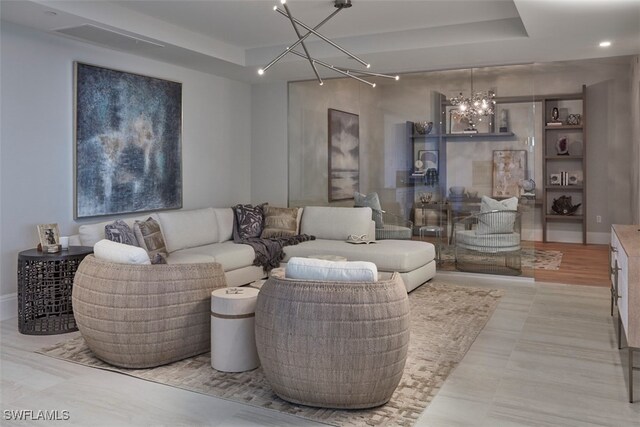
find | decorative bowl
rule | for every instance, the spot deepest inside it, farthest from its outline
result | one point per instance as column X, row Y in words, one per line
column 423, row 128
column 457, row 191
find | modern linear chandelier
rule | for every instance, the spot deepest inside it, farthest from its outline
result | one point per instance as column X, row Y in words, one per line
column 339, row 4
column 473, row 108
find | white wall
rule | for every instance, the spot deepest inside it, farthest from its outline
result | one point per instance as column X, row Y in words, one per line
column 37, row 135
column 269, row 143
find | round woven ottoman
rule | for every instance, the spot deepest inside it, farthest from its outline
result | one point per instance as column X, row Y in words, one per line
column 140, row 316
column 333, row 345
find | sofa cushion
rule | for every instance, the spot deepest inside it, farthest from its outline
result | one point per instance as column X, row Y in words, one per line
column 279, row 222
column 189, row 228
column 372, row 201
column 231, row 255
column 489, row 243
column 90, row 234
column 120, row 253
column 501, row 223
column 249, row 221
column 224, row 216
column 150, row 237
column 335, row 223
column 387, row 255
column 331, row 271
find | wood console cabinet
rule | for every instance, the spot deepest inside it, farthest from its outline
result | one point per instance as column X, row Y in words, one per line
column 625, row 288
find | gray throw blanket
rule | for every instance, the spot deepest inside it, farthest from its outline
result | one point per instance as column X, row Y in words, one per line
column 269, row 252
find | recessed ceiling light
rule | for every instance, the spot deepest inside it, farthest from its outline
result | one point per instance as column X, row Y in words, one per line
column 605, row 44
column 50, row 13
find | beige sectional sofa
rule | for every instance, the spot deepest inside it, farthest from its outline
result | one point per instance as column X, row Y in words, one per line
column 206, row 235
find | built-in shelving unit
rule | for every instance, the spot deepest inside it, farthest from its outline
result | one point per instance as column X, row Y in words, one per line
column 575, row 163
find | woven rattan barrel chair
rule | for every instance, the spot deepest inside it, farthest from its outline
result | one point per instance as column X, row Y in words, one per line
column 333, row 345
column 139, row 316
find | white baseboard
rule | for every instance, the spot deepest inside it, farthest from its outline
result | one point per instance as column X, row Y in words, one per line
column 8, row 306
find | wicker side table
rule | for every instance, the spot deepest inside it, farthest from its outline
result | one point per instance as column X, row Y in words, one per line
column 45, row 282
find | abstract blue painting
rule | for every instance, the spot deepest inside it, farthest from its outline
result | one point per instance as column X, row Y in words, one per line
column 128, row 131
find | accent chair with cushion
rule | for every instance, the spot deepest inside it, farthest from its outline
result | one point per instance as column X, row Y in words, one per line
column 388, row 225
column 330, row 343
column 489, row 241
column 143, row 315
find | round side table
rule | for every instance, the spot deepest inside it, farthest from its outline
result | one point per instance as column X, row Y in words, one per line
column 45, row 282
column 233, row 339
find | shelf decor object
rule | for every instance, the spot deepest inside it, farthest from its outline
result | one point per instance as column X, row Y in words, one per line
column 339, row 5
column 565, row 161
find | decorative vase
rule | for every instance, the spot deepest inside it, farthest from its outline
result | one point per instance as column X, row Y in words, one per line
column 423, row 128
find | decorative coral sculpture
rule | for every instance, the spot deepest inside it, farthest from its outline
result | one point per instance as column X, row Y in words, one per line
column 563, row 206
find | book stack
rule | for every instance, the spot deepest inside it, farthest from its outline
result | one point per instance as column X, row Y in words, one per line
column 554, row 123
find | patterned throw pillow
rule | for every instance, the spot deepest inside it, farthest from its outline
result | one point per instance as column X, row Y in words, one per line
column 279, row 222
column 120, row 232
column 372, row 201
column 150, row 237
column 249, row 221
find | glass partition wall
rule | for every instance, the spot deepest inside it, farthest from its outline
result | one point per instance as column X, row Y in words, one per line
column 405, row 141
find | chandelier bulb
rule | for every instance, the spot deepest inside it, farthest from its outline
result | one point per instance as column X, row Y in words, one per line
column 321, row 83
column 260, row 71
column 368, row 65
column 275, row 8
column 373, row 85
column 397, row 78
column 283, row 1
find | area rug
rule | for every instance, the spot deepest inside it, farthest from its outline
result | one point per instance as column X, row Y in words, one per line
column 445, row 320
column 537, row 259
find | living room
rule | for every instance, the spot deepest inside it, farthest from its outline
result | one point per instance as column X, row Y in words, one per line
column 247, row 138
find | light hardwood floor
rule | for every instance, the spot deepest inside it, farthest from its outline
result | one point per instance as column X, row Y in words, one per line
column 547, row 357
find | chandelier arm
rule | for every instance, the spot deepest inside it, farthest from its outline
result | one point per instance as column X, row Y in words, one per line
column 306, row 27
column 300, row 40
column 331, row 67
column 304, row 46
column 367, row 73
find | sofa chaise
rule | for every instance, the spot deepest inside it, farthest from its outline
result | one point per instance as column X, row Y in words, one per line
column 206, row 235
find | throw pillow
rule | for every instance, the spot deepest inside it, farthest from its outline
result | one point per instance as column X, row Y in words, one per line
column 150, row 237
column 249, row 221
column 279, row 222
column 372, row 201
column 120, row 232
column 498, row 223
column 120, row 253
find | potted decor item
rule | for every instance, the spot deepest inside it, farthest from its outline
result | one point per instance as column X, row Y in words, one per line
column 423, row 128
column 563, row 206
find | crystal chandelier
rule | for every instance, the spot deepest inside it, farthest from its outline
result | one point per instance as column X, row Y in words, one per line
column 473, row 108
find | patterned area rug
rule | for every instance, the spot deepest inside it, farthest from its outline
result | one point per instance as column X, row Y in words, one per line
column 537, row 259
column 445, row 320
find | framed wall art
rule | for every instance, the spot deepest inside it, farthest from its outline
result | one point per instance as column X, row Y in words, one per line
column 128, row 132
column 344, row 155
column 509, row 169
column 49, row 237
column 429, row 159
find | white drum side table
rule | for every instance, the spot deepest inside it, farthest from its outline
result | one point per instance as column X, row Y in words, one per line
column 233, row 342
